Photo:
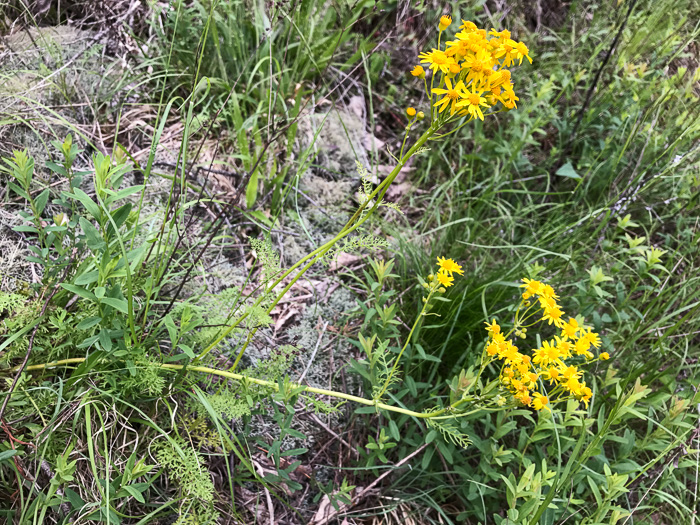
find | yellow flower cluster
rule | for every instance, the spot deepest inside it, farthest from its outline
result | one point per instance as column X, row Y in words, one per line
column 472, row 69
column 521, row 373
column 447, row 267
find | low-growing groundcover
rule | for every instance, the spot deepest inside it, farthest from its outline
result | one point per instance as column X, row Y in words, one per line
column 507, row 304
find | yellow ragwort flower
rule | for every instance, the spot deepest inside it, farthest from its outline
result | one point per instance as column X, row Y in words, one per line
column 553, row 315
column 452, row 95
column 493, row 328
column 570, row 329
column 444, row 279
column 521, row 51
column 472, row 104
column 539, row 401
column 532, row 288
column 547, row 354
column 411, row 112
column 437, row 59
column 604, row 356
column 449, row 266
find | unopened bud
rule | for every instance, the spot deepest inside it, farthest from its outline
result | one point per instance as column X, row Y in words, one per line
column 431, row 277
column 60, row 219
column 442, row 289
column 420, row 115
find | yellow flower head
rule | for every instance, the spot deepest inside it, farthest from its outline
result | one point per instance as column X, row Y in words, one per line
column 449, row 266
column 437, row 59
column 411, row 112
column 591, row 337
column 472, row 104
column 570, row 372
column 524, row 398
column 604, row 356
column 418, row 71
column 547, row 354
column 508, row 98
column 564, row 347
column 520, row 50
column 532, row 288
column 552, row 373
column 581, row 346
column 585, row 394
column 468, row 26
column 553, row 314
column 445, row 22
column 477, row 64
column 493, row 328
column 505, row 34
column 539, row 401
column 452, row 95
column 570, row 329
column 492, row 348
column 510, row 354
column 477, row 59
column 444, row 279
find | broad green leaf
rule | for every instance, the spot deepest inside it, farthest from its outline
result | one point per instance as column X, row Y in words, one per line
column 87, row 277
column 119, row 304
column 82, row 292
column 94, row 240
column 567, row 170
column 88, row 322
column 41, row 201
column 251, row 192
column 86, row 201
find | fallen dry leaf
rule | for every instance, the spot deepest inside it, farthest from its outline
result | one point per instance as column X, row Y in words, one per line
column 343, row 260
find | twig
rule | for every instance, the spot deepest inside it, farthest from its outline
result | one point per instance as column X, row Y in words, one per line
column 29, row 348
column 591, row 88
column 369, row 487
column 313, row 354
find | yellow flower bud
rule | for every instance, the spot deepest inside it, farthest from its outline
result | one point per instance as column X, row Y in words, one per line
column 442, row 289
column 604, row 356
column 418, row 71
column 445, row 22
column 411, row 112
column 420, row 115
column 431, row 277
column 455, row 69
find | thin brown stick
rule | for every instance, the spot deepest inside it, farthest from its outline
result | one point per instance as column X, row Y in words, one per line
column 363, row 492
column 31, row 344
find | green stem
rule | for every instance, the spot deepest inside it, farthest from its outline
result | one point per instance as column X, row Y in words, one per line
column 315, row 255
column 261, row 382
column 419, row 318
